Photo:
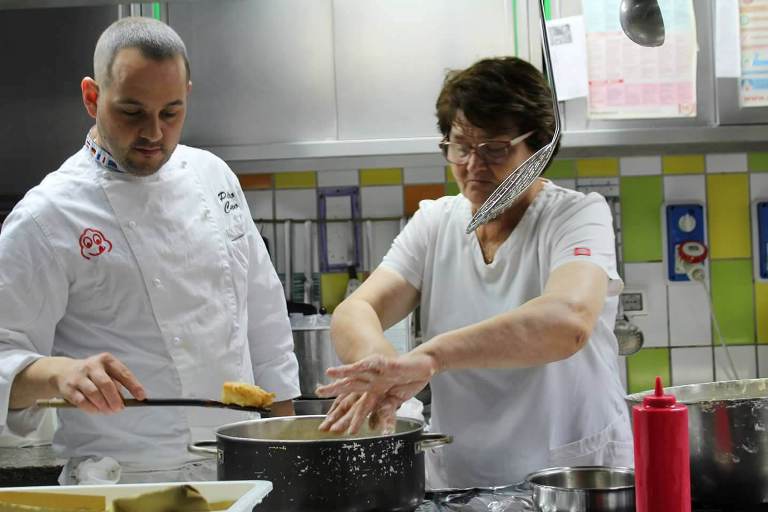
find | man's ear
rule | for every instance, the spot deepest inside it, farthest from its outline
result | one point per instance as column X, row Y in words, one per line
column 90, row 91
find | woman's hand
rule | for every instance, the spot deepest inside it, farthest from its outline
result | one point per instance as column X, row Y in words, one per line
column 374, row 386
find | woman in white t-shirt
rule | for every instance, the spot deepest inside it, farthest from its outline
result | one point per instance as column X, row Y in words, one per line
column 517, row 318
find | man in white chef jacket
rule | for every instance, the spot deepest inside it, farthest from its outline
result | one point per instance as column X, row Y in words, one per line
column 135, row 270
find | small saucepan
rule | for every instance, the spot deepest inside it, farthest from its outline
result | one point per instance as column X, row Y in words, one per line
column 583, row 489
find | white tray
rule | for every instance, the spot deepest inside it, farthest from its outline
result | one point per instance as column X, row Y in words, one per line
column 247, row 493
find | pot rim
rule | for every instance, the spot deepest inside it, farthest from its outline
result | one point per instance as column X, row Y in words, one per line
column 551, row 471
column 637, row 398
column 419, row 423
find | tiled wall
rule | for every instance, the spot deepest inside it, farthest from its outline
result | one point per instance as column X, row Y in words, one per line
column 680, row 343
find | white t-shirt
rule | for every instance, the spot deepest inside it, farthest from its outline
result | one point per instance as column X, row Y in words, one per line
column 509, row 422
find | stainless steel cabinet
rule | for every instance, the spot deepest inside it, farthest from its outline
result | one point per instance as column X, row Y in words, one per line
column 262, row 71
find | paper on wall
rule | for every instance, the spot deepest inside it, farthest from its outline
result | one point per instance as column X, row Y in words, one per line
column 753, row 84
column 629, row 81
column 727, row 43
column 568, row 48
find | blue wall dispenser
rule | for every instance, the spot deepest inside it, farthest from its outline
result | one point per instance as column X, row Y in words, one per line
column 760, row 238
column 683, row 222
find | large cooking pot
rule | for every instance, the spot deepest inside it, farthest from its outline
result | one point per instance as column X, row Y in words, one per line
column 314, row 351
column 727, row 424
column 319, row 471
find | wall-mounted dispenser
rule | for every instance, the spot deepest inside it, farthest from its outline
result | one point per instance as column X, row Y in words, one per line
column 760, row 238
column 684, row 223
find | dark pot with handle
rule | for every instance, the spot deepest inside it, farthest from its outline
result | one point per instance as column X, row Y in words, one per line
column 318, row 471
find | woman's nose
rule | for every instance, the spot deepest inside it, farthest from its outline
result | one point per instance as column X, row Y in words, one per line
column 475, row 162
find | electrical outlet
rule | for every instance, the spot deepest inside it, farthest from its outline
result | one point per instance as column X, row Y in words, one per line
column 633, row 302
column 760, row 238
column 682, row 223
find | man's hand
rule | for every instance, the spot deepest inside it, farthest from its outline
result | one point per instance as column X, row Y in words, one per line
column 92, row 384
column 375, row 386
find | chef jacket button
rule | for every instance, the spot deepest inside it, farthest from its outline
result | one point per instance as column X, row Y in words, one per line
column 176, row 340
column 207, row 213
column 157, row 282
column 132, row 224
column 225, row 266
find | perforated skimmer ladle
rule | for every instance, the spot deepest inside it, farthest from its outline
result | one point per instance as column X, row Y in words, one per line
column 523, row 177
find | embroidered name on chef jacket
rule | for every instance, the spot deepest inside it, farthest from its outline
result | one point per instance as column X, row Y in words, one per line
column 227, row 200
column 93, row 243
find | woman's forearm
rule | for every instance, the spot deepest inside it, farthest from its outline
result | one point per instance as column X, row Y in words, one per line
column 357, row 332
column 545, row 329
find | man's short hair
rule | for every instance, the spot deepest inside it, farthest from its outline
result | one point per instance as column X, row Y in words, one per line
column 154, row 39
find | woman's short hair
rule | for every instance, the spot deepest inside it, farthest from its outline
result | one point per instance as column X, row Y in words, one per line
column 499, row 95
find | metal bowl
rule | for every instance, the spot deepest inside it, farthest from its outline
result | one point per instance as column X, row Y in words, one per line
column 584, row 488
column 727, row 424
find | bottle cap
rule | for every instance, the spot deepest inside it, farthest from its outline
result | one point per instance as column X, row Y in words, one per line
column 658, row 398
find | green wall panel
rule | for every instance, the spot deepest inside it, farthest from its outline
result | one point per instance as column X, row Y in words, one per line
column 644, row 366
column 641, row 199
column 732, row 295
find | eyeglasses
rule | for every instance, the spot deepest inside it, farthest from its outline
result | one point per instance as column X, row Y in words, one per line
column 492, row 151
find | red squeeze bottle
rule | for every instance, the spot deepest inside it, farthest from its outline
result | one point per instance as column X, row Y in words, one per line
column 662, row 465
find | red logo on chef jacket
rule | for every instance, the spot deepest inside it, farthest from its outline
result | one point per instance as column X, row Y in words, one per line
column 582, row 251
column 93, row 243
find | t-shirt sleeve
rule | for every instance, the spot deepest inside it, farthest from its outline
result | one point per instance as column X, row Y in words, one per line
column 583, row 231
column 408, row 253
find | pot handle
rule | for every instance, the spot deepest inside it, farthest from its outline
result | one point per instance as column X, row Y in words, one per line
column 203, row 448
column 435, row 440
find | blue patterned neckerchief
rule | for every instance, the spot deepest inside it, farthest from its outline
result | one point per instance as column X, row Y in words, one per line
column 101, row 155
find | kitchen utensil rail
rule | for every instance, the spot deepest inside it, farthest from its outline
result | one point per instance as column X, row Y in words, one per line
column 161, row 402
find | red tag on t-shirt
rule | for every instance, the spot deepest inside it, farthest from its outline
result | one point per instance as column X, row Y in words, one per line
column 582, row 251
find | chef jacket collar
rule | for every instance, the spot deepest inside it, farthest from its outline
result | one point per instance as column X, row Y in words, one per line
column 101, row 155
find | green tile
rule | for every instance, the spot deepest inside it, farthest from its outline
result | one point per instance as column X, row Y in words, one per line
column 761, row 306
column 644, row 366
column 683, row 164
column 391, row 176
column 561, row 169
column 597, row 167
column 305, row 179
column 452, row 189
column 757, row 161
column 641, row 200
column 732, row 295
column 728, row 216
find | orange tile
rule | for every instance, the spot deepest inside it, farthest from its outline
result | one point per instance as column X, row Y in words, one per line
column 415, row 193
column 255, row 181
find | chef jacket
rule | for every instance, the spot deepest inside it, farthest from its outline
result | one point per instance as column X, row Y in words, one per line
column 168, row 273
column 507, row 422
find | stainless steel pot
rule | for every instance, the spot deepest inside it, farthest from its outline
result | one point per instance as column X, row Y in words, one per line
column 583, row 489
column 727, row 424
column 314, row 351
column 318, row 471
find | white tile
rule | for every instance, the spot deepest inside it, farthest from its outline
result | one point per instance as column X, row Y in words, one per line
column 607, row 187
column 689, row 323
column 685, row 188
column 260, row 203
column 433, row 174
column 339, row 207
column 758, row 185
column 296, row 204
column 726, row 162
column 379, row 202
column 649, row 278
column 743, row 359
column 640, row 165
column 384, row 232
column 691, row 365
column 571, row 184
column 762, row 361
column 344, row 178
column 298, row 247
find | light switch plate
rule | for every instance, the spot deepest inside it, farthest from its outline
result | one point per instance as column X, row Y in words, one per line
column 634, row 302
column 760, row 239
column 683, row 222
